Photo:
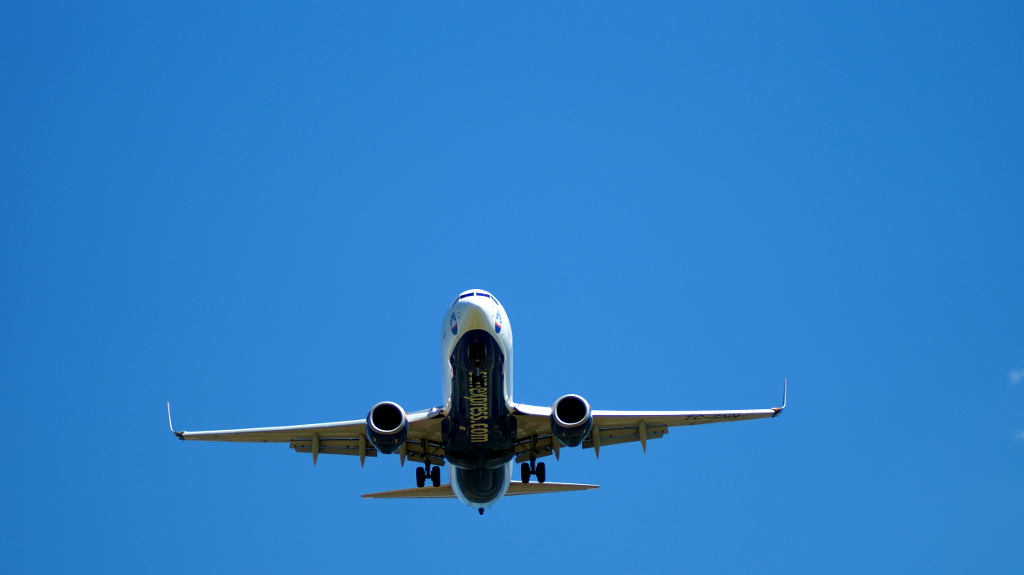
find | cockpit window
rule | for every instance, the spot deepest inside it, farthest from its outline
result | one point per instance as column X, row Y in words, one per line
column 479, row 293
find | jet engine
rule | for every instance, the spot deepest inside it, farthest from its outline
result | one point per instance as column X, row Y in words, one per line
column 387, row 426
column 571, row 420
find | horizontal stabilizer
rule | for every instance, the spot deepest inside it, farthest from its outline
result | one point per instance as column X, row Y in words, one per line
column 443, row 492
column 446, row 492
column 550, row 487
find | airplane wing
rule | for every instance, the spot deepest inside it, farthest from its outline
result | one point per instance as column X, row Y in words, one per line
column 614, row 427
column 336, row 438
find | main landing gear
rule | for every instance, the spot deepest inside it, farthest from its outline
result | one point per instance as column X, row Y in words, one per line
column 422, row 473
column 533, row 468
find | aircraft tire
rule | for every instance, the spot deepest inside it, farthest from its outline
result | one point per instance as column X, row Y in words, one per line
column 421, row 477
column 541, row 473
column 435, row 476
column 525, row 472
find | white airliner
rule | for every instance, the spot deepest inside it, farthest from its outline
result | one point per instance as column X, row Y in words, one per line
column 479, row 430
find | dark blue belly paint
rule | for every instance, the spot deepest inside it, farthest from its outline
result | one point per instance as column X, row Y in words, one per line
column 479, row 431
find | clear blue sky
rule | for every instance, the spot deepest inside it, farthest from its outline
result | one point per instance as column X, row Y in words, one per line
column 260, row 213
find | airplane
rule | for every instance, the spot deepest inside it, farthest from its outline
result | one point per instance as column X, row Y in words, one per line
column 479, row 430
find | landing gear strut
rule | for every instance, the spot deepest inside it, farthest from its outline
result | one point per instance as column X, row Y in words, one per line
column 535, row 469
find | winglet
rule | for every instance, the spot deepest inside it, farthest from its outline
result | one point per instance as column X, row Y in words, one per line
column 778, row 410
column 170, row 424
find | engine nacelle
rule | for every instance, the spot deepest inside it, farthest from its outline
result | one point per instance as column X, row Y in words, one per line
column 387, row 426
column 571, row 420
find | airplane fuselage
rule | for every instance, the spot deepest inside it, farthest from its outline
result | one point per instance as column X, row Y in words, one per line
column 479, row 428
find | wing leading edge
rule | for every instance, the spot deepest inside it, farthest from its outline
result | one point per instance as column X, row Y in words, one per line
column 336, row 438
column 614, row 427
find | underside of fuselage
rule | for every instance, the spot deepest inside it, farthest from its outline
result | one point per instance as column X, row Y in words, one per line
column 479, row 431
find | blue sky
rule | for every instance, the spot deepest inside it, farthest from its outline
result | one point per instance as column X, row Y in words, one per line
column 260, row 213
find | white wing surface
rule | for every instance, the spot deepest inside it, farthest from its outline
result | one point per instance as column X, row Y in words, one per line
column 279, row 434
column 614, row 427
column 335, row 438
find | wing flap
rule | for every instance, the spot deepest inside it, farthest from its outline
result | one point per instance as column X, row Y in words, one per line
column 333, row 447
column 615, row 436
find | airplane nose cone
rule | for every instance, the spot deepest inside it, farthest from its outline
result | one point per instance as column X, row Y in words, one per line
column 475, row 317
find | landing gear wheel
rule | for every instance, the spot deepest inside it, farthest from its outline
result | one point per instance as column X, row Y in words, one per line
column 541, row 473
column 421, row 477
column 435, row 476
column 525, row 472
